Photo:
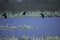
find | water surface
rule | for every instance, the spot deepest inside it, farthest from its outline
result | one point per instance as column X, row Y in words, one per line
column 47, row 27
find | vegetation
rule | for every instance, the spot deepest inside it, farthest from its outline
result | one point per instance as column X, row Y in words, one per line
column 29, row 5
column 14, row 8
column 27, row 38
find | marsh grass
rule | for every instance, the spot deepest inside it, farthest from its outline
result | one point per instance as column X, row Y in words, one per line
column 33, row 38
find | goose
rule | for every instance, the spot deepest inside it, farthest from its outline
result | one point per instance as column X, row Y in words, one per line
column 4, row 15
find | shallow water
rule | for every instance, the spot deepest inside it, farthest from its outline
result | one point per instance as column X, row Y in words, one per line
column 49, row 26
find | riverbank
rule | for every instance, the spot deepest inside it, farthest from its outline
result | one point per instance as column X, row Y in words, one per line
column 32, row 38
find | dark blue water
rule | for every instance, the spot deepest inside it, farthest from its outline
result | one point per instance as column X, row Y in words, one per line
column 47, row 27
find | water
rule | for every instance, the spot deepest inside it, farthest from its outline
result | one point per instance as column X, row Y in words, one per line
column 47, row 27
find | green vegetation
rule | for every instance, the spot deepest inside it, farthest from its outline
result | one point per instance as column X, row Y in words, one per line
column 33, row 38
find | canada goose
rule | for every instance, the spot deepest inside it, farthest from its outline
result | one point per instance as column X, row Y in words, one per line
column 42, row 15
column 4, row 15
column 24, row 13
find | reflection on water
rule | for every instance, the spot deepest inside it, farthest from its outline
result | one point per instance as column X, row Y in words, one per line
column 17, row 28
column 46, row 27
